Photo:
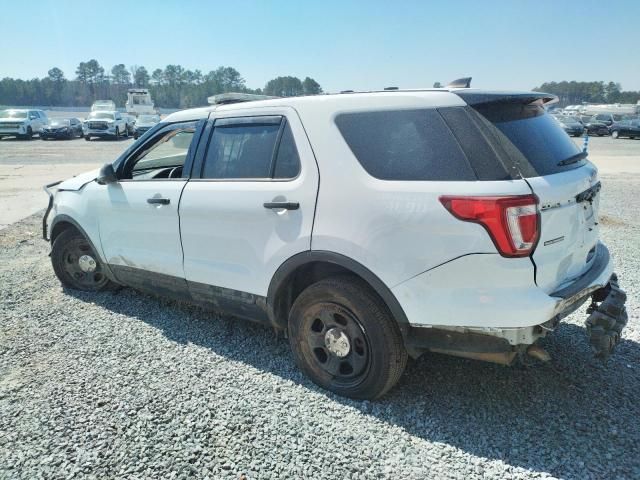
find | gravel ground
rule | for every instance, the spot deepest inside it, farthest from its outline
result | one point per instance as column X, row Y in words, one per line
column 115, row 385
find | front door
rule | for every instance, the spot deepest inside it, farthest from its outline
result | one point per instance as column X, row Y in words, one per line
column 138, row 214
column 251, row 208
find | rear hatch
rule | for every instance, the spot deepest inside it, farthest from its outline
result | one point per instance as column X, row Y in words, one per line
column 559, row 174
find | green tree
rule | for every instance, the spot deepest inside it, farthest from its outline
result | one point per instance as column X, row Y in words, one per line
column 56, row 75
column 140, row 77
column 284, row 87
column 437, row 85
column 311, row 87
column 158, row 76
column 120, row 75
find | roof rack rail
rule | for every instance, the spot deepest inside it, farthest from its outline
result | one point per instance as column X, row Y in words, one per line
column 464, row 82
column 234, row 97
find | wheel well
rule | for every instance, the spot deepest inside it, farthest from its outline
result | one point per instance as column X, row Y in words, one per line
column 60, row 227
column 307, row 274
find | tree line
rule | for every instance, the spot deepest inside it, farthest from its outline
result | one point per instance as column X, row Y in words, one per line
column 171, row 87
column 575, row 93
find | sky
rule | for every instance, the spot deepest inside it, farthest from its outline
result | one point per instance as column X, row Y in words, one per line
column 343, row 45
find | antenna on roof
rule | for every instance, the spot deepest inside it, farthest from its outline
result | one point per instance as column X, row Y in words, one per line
column 464, row 82
column 233, row 97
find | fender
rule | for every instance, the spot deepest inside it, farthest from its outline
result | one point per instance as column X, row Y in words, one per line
column 300, row 259
column 67, row 219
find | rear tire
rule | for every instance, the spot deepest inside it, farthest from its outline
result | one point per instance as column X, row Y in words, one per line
column 75, row 263
column 344, row 339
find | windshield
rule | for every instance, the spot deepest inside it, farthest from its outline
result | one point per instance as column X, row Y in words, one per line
column 59, row 122
column 13, row 114
column 101, row 115
column 147, row 119
column 570, row 120
column 527, row 131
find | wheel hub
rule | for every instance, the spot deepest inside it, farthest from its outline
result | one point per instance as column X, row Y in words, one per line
column 87, row 263
column 337, row 342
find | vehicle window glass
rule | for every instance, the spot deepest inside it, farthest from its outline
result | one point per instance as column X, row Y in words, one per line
column 532, row 138
column 166, row 152
column 241, row 151
column 287, row 158
column 404, row 145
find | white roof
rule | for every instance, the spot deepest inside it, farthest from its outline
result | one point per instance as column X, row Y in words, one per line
column 395, row 99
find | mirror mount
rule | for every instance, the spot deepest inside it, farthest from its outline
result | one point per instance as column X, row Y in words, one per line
column 107, row 175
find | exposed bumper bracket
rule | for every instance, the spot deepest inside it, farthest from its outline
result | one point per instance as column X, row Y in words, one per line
column 608, row 316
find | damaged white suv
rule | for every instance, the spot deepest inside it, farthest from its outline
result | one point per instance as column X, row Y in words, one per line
column 368, row 226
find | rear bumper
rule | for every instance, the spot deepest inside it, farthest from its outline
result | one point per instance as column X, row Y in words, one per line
column 487, row 292
column 486, row 304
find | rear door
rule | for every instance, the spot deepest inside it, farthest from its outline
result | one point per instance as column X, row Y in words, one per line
column 565, row 182
column 252, row 206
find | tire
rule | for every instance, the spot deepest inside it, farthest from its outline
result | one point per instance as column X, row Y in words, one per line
column 76, row 264
column 371, row 360
column 29, row 134
column 615, row 134
column 87, row 138
column 126, row 132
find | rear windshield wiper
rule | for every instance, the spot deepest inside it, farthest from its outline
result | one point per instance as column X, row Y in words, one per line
column 573, row 159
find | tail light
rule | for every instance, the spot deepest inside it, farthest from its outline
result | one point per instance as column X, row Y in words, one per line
column 513, row 222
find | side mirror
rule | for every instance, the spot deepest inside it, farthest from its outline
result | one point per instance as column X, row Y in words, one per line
column 107, row 175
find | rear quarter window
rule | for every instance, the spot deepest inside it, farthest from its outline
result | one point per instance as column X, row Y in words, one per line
column 405, row 145
column 532, row 138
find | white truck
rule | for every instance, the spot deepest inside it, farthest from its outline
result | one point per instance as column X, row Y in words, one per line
column 139, row 102
column 103, row 106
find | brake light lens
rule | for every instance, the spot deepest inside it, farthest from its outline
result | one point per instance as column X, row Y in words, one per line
column 513, row 222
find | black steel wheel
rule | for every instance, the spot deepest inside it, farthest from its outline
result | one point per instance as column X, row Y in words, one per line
column 344, row 339
column 76, row 264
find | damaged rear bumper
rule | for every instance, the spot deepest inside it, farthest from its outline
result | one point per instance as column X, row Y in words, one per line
column 608, row 316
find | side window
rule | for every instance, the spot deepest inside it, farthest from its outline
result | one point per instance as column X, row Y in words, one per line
column 163, row 156
column 404, row 145
column 287, row 159
column 241, row 148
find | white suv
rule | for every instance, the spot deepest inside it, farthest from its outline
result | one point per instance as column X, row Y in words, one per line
column 368, row 226
column 103, row 124
column 22, row 123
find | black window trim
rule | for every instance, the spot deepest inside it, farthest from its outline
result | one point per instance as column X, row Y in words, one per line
column 123, row 162
column 225, row 122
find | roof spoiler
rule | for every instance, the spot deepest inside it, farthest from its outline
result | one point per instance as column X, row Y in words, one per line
column 233, row 97
column 464, row 82
column 475, row 98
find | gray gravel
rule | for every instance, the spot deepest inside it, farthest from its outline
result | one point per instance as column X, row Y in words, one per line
column 115, row 385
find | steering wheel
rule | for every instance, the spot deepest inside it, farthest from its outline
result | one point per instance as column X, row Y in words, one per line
column 175, row 172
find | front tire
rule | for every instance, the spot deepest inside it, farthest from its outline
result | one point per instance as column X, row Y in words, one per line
column 75, row 263
column 344, row 339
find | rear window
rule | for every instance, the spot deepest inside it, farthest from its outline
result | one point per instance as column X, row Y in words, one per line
column 405, row 145
column 533, row 139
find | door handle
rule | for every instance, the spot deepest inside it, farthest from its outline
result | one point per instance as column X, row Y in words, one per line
column 158, row 201
column 282, row 205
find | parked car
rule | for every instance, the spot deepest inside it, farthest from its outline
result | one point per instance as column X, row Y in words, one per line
column 105, row 125
column 62, row 128
column 594, row 127
column 625, row 128
column 144, row 123
column 21, row 123
column 426, row 232
column 608, row 118
column 572, row 125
